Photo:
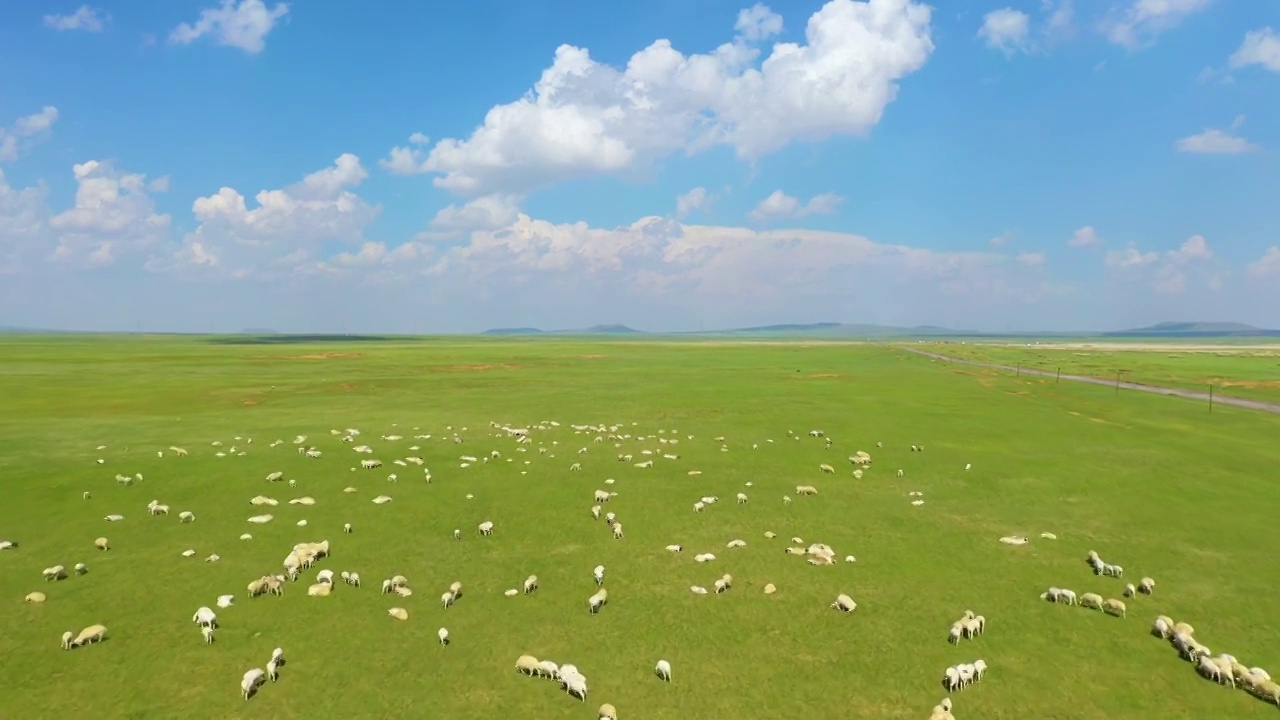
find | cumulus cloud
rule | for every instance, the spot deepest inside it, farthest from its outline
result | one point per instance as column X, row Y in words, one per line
column 1140, row 22
column 1266, row 267
column 1260, row 47
column 697, row 199
column 1214, row 142
column 1170, row 273
column 112, row 216
column 781, row 206
column 1084, row 237
column 25, row 130
column 584, row 117
column 289, row 225
column 483, row 213
column 1007, row 30
column 1031, row 259
column 86, row 18
column 757, row 23
column 244, row 25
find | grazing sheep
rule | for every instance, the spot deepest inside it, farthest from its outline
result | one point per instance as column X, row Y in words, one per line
column 742, row 498
column 1130, row 590
column 207, row 632
column 697, row 590
column 67, row 638
column 1162, row 628
column 91, row 634
column 114, row 517
column 250, row 682
column 675, row 548
column 320, row 590
column 607, row 712
column 597, row 601
column 398, row 613
column 34, row 597
column 485, row 528
column 205, row 617
column 443, row 634
column 663, row 670
column 186, row 516
column 1092, row 601
column 527, row 664
column 102, row 544
column 1146, row 586
column 530, row 584
column 1112, row 606
column 57, row 572
column 825, row 468
column 844, row 603
column 447, row 599
column 598, row 574
column 617, row 531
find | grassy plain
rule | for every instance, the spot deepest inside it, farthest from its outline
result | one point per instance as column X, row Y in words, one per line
column 1246, row 371
column 1153, row 483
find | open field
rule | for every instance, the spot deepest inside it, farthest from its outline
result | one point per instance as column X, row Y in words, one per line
column 1152, row 483
column 1246, row 371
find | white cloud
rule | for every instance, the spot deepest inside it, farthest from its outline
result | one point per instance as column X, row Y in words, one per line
column 780, row 206
column 1031, row 259
column 25, row 129
column 159, row 185
column 407, row 160
column 1169, row 275
column 244, row 25
column 1084, row 237
column 1139, row 23
column 483, row 213
column 757, row 23
column 1267, row 266
column 1214, row 142
column 1130, row 257
column 697, row 199
column 1001, row 240
column 288, row 225
column 1260, row 47
column 583, row 117
column 85, row 18
column 1007, row 30
column 1061, row 15
column 22, row 223
column 112, row 216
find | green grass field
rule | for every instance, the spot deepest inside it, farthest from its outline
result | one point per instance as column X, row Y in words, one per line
column 1152, row 483
column 1246, row 372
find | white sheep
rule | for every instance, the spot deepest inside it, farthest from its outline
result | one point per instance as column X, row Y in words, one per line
column 675, row 548
column 205, row 617
column 225, row 601
column 597, row 601
column 485, row 528
column 617, row 531
column 598, row 574
column 186, row 516
column 530, row 584
column 207, row 632
column 844, row 603
column 663, row 670
column 443, row 634
column 81, row 568
column 250, row 682
column 67, row 637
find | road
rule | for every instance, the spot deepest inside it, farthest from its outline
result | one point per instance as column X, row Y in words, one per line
column 1176, row 392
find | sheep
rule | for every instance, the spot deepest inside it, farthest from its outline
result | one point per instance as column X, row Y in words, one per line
column 325, row 576
column 443, row 634
column 1112, row 606
column 844, row 603
column 205, row 617
column 250, row 682
column 699, row 506
column 597, row 601
column 81, row 568
column 320, row 590
column 352, row 579
column 447, row 599
column 114, row 517
column 91, row 634
column 67, row 638
column 675, row 548
column 617, row 531
column 598, row 574
column 485, row 528
column 806, row 490
column 979, row 669
column 738, row 543
column 207, row 632
column 225, row 601
column 595, row 512
column 1161, row 628
column 951, row 678
column 697, row 590
column 273, row 672
column 742, row 498
column 530, row 584
column 398, row 613
column 35, row 597
column 1130, row 590
column 186, row 516
column 663, row 670
column 527, row 664
column 456, row 588
column 548, row 669
column 57, row 572
column 1146, row 586
column 102, row 544
column 601, row 496
column 1092, row 601
column 607, row 712
column 825, row 468
column 957, row 632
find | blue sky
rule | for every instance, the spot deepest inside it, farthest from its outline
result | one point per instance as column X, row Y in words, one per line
column 211, row 165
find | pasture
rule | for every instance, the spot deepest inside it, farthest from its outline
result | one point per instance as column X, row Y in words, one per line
column 1246, row 371
column 1153, row 483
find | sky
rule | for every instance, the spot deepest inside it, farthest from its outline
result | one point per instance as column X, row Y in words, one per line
column 331, row 166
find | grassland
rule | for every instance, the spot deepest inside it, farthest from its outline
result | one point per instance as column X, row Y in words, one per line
column 1246, row 371
column 1153, row 483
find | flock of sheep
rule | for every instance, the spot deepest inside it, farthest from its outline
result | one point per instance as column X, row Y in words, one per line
column 304, row 556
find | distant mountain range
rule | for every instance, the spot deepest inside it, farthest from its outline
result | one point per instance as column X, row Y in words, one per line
column 845, row 331
column 832, row 330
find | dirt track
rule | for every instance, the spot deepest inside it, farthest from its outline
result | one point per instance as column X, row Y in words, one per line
column 1176, row 392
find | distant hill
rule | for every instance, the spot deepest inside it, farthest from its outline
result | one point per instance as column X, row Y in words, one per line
column 258, row 331
column 842, row 330
column 611, row 330
column 1195, row 329
column 513, row 331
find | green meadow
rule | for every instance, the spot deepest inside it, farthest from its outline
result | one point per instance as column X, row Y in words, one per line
column 1155, row 484
column 1250, row 372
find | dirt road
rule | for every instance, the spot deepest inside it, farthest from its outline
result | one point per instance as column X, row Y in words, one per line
column 1176, row 392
